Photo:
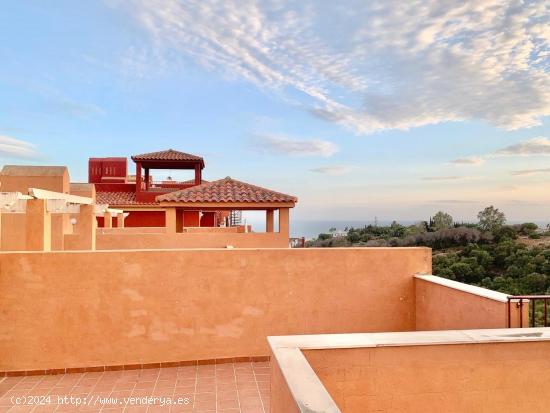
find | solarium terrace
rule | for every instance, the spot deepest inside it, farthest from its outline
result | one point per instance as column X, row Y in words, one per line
column 120, row 315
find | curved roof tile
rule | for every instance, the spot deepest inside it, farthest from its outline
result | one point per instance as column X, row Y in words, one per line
column 226, row 190
column 168, row 155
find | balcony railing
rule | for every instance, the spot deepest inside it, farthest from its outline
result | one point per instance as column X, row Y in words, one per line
column 166, row 186
column 537, row 305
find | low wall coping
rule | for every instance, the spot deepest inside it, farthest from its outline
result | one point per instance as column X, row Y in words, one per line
column 307, row 389
column 470, row 289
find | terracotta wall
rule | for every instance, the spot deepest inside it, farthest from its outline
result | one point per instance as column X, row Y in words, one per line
column 56, row 183
column 439, row 307
column 74, row 309
column 131, row 230
column 211, row 239
column 13, row 235
column 145, row 219
column 282, row 400
column 473, row 378
column 215, row 229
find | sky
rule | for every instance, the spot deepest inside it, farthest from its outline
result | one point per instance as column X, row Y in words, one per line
column 360, row 109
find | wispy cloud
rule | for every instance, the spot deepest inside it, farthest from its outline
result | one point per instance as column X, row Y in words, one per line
column 378, row 65
column 454, row 201
column 530, row 147
column 72, row 108
column 284, row 145
column 333, row 169
column 442, row 178
column 529, row 172
column 473, row 160
column 55, row 102
column 12, row 148
column 507, row 188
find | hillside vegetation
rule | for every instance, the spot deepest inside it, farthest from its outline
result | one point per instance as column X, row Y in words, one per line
column 514, row 259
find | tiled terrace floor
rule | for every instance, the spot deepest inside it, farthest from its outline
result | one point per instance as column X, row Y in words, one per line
column 220, row 388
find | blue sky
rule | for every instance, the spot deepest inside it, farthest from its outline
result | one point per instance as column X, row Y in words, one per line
column 360, row 109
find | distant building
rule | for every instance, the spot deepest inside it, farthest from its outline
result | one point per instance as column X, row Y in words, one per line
column 145, row 199
column 339, row 233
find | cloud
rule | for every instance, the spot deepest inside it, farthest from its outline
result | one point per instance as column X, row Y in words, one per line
column 53, row 101
column 454, row 201
column 528, row 172
column 17, row 149
column 283, row 145
column 474, row 160
column 368, row 66
column 72, row 108
column 442, row 178
column 530, row 147
column 333, row 169
column 507, row 188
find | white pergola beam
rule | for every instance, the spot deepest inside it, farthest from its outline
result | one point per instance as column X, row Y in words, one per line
column 70, row 199
column 102, row 208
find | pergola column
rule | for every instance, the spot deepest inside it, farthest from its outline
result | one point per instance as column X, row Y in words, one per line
column 138, row 176
column 284, row 226
column 38, row 226
column 170, row 220
column 269, row 220
column 107, row 220
column 198, row 174
column 120, row 220
column 146, row 179
column 85, row 227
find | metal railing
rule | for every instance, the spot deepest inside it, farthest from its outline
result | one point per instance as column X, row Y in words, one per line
column 537, row 305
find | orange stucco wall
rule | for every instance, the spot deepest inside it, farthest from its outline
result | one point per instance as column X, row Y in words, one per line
column 13, row 232
column 57, row 183
column 73, row 309
column 473, row 378
column 282, row 400
column 210, row 239
column 442, row 308
column 132, row 230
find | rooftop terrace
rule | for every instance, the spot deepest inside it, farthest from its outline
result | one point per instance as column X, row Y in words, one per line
column 119, row 315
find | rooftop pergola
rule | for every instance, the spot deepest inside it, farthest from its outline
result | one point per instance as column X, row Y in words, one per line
column 230, row 194
column 169, row 159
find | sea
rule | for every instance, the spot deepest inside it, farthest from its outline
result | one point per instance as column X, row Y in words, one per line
column 312, row 228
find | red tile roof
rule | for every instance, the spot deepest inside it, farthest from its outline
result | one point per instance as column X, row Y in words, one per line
column 168, row 155
column 227, row 191
column 119, row 199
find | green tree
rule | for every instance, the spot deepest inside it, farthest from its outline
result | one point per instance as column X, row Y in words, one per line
column 442, row 220
column 491, row 219
column 505, row 232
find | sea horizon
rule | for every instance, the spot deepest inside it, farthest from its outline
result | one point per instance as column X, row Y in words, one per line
column 312, row 228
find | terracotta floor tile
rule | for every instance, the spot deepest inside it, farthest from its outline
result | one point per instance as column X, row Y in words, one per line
column 226, row 387
column 227, row 395
column 145, row 385
column 201, row 397
column 5, row 401
column 180, row 409
column 254, row 409
column 21, row 409
column 162, row 384
column 214, row 388
column 227, row 404
column 135, row 409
